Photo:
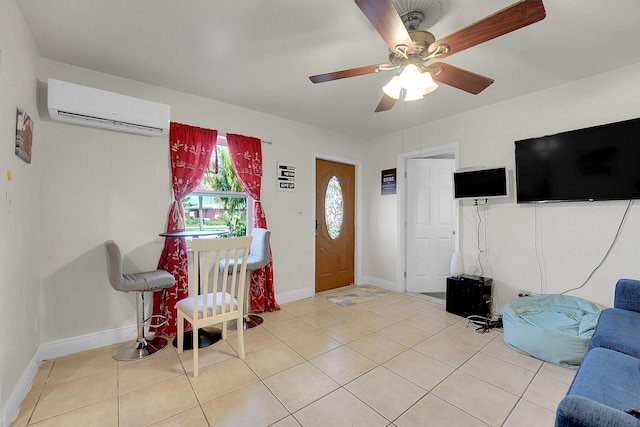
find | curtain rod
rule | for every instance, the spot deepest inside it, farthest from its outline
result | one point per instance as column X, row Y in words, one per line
column 262, row 140
column 225, row 135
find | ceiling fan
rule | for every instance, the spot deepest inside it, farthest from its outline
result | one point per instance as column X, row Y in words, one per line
column 418, row 53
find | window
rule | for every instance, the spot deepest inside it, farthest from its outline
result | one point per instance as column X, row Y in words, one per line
column 333, row 207
column 219, row 203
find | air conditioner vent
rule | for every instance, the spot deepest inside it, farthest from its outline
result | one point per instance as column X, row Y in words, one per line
column 82, row 105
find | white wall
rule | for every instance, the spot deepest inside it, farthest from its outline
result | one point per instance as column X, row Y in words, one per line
column 19, row 224
column 100, row 185
column 572, row 237
column 87, row 185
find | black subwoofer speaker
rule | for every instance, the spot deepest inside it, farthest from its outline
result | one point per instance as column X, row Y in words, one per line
column 469, row 295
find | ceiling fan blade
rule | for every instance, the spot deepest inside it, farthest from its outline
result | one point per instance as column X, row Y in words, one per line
column 385, row 19
column 461, row 79
column 386, row 103
column 352, row 72
column 509, row 19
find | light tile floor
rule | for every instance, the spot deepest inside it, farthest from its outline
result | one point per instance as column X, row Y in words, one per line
column 400, row 360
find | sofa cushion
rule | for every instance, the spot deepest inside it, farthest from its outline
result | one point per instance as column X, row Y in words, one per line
column 578, row 411
column 610, row 378
column 618, row 330
column 554, row 328
column 626, row 295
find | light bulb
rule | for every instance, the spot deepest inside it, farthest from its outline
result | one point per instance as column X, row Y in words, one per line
column 413, row 94
column 410, row 77
column 392, row 89
column 428, row 84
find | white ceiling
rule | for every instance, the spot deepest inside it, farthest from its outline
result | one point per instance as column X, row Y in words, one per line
column 258, row 54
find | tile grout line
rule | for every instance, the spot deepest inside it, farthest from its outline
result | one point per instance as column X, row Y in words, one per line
column 370, row 309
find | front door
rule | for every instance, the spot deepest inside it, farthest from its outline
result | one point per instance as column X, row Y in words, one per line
column 335, row 212
column 430, row 224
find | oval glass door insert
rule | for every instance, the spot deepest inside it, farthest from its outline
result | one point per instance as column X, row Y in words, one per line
column 333, row 207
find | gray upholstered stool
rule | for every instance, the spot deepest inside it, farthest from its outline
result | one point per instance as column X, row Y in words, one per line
column 258, row 258
column 140, row 283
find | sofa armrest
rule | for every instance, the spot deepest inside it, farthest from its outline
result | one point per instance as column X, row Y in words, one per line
column 578, row 411
column 627, row 295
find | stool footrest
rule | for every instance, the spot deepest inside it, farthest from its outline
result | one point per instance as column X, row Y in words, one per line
column 140, row 348
column 147, row 322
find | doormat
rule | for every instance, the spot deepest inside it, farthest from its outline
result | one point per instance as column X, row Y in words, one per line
column 354, row 295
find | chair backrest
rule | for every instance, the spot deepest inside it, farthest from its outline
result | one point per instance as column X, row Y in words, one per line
column 219, row 286
column 259, row 252
column 143, row 281
column 114, row 266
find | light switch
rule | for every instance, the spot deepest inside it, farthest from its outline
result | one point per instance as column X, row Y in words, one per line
column 8, row 202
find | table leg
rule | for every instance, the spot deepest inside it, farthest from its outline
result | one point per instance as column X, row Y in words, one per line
column 205, row 338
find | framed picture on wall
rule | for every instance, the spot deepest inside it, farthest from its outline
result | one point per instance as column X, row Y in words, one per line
column 24, row 135
column 388, row 182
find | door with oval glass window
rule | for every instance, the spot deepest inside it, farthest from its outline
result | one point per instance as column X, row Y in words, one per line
column 335, row 200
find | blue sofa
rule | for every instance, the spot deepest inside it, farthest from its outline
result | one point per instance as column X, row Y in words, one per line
column 606, row 388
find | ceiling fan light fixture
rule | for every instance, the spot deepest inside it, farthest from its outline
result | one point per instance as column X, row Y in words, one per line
column 393, row 88
column 410, row 77
column 428, row 84
column 413, row 94
column 429, row 89
column 415, row 83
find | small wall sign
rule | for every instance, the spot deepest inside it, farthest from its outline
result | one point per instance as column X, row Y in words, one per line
column 286, row 176
column 388, row 184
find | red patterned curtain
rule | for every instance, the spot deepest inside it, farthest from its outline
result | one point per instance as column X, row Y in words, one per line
column 246, row 156
column 190, row 149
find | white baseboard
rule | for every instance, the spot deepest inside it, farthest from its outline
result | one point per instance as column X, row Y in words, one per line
column 12, row 406
column 72, row 345
column 55, row 349
column 386, row 284
column 283, row 298
column 68, row 346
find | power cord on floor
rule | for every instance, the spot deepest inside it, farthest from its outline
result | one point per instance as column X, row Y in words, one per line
column 484, row 324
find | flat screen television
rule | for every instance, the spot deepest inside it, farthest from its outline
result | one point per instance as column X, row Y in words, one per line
column 596, row 163
column 480, row 183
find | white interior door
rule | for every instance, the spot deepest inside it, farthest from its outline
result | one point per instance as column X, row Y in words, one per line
column 430, row 224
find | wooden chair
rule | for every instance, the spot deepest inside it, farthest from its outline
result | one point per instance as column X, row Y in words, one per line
column 211, row 298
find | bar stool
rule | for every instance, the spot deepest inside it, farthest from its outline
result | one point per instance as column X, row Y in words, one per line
column 258, row 258
column 147, row 281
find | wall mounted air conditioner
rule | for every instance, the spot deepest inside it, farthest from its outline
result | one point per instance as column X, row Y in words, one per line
column 82, row 105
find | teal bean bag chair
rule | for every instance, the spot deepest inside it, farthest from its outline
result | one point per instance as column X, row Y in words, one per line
column 553, row 328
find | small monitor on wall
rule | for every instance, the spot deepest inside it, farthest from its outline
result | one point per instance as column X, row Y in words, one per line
column 480, row 183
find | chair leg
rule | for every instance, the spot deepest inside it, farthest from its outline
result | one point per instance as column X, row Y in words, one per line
column 141, row 347
column 195, row 350
column 240, row 340
column 180, row 332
